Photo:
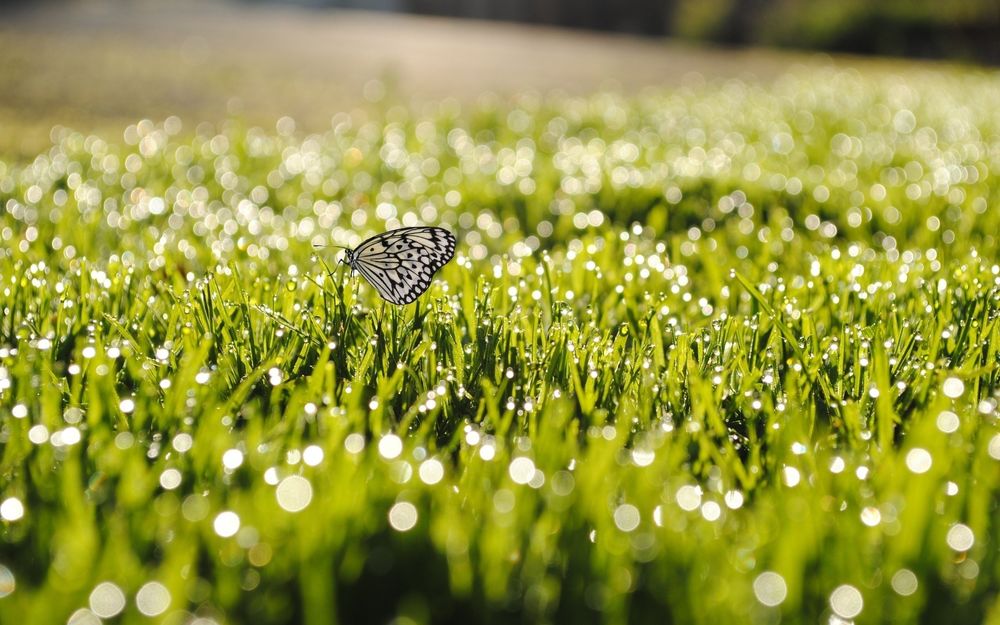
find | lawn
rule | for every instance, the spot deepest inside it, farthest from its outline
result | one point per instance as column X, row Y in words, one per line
column 726, row 352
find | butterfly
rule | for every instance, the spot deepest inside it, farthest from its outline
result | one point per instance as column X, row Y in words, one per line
column 400, row 263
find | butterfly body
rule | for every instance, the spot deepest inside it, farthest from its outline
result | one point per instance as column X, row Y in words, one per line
column 400, row 264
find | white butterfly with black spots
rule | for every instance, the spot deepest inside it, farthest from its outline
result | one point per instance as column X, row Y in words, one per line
column 401, row 263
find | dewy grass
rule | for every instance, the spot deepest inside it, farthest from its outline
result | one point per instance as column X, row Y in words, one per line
column 721, row 354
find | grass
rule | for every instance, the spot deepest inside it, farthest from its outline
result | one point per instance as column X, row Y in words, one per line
column 726, row 353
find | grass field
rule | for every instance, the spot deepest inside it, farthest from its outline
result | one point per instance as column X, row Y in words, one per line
column 724, row 353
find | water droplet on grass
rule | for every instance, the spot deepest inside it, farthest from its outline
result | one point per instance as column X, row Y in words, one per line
column 403, row 516
column 232, row 459
column 152, row 599
column 354, row 443
column 170, row 479
column 294, row 493
column 871, row 516
column 948, row 422
column 521, row 470
column 8, row 583
column 431, row 471
column 83, row 616
column 688, row 497
column 960, row 537
column 312, row 455
column 846, row 601
column 953, row 388
column 107, row 600
column 390, row 446
column 626, row 517
column 919, row 460
column 770, row 588
column 904, row 582
column 226, row 524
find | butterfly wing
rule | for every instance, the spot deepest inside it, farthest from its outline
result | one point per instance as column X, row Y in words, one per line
column 401, row 263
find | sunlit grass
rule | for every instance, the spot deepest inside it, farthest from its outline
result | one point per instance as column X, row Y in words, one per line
column 720, row 354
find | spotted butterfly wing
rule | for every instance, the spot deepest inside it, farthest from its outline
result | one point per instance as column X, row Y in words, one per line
column 400, row 264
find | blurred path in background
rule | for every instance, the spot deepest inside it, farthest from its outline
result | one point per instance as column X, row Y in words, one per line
column 99, row 67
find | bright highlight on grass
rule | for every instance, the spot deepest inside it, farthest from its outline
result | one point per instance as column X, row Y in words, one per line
column 770, row 588
column 390, row 446
column 627, row 517
column 994, row 447
column 8, row 582
column 232, row 459
column 431, row 471
column 107, row 600
column 960, row 537
column 846, row 601
column 84, row 616
column 905, row 582
column 521, row 470
column 226, row 524
column 11, row 509
column 919, row 460
column 948, row 422
column 153, row 599
column 871, row 516
column 354, row 443
column 183, row 442
column 170, row 479
column 294, row 493
column 689, row 497
column 403, row 516
column 953, row 387
column 313, row 455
